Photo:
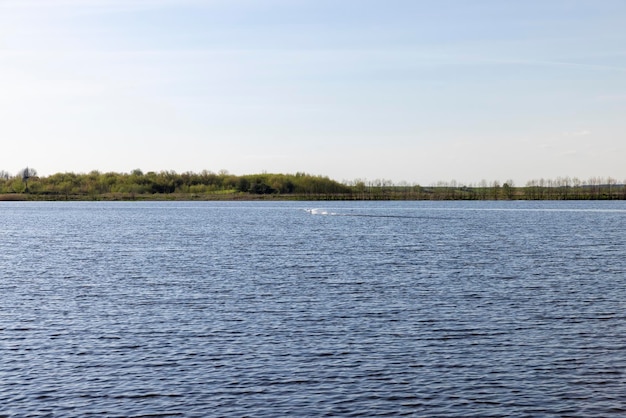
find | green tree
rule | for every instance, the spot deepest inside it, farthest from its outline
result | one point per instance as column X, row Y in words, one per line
column 507, row 189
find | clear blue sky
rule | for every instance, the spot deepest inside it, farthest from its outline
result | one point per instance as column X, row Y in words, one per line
column 406, row 90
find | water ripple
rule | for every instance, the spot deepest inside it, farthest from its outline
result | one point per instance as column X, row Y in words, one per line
column 259, row 309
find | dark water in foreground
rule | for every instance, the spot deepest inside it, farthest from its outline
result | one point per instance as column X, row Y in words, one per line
column 354, row 309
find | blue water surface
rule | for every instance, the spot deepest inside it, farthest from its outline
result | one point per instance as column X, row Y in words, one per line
column 268, row 309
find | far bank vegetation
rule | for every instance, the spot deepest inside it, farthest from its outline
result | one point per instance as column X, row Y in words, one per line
column 207, row 185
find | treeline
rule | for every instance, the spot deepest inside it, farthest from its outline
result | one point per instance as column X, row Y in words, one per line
column 167, row 184
column 223, row 185
column 561, row 188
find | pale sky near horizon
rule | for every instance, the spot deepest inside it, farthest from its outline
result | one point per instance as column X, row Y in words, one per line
column 407, row 90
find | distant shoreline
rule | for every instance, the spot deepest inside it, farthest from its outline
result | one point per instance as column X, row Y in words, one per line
column 223, row 186
column 246, row 197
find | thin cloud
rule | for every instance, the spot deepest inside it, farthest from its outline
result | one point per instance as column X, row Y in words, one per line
column 544, row 63
column 83, row 7
column 583, row 132
column 570, row 153
column 93, row 3
column 612, row 97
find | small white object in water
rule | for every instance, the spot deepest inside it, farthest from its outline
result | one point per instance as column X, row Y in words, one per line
column 317, row 211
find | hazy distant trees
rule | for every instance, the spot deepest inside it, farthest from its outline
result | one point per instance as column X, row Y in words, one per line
column 569, row 188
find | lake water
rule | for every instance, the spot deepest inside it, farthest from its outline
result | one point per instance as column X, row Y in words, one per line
column 268, row 309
